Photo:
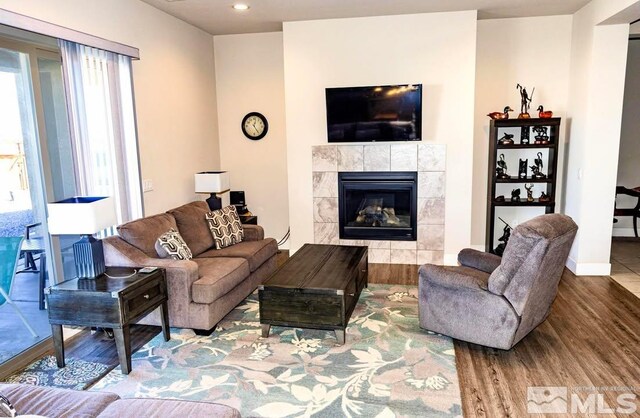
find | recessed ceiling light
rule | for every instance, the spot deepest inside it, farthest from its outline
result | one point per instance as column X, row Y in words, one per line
column 240, row 7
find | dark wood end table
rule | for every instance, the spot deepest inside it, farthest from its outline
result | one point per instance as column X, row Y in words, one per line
column 249, row 219
column 318, row 287
column 108, row 302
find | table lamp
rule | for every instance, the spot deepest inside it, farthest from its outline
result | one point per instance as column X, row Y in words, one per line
column 216, row 183
column 84, row 216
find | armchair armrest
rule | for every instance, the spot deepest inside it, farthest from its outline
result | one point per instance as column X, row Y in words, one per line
column 253, row 232
column 454, row 277
column 479, row 260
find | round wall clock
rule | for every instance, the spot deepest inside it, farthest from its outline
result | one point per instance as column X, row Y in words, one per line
column 255, row 126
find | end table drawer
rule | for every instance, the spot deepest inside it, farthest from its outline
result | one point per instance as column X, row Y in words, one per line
column 144, row 298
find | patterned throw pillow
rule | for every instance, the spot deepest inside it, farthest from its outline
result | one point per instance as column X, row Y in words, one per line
column 225, row 227
column 171, row 244
column 6, row 409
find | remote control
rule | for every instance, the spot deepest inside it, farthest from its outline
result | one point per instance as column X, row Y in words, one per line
column 146, row 270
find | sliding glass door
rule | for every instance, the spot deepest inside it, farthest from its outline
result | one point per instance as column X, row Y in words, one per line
column 24, row 245
column 35, row 167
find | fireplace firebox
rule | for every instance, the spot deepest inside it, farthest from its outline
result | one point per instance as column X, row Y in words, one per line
column 378, row 205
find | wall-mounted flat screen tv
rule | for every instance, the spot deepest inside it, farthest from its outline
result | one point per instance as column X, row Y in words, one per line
column 375, row 113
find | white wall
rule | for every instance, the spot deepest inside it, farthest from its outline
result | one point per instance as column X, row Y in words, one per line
column 437, row 50
column 174, row 85
column 629, row 156
column 535, row 53
column 250, row 77
column 598, row 63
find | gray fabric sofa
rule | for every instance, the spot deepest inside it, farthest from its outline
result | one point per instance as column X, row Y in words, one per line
column 495, row 301
column 62, row 403
column 204, row 289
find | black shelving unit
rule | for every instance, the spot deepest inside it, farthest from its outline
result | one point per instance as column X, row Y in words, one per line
column 497, row 128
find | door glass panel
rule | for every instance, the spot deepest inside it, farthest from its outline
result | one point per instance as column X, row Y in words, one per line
column 60, row 151
column 24, row 242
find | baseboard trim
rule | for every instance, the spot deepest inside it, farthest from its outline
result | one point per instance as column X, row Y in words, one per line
column 623, row 232
column 588, row 269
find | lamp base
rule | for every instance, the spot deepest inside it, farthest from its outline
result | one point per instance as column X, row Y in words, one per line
column 89, row 257
column 214, row 202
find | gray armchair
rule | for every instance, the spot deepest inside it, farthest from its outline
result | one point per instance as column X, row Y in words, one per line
column 495, row 301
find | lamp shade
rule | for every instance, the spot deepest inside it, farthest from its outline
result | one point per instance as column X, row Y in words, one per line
column 81, row 215
column 212, row 182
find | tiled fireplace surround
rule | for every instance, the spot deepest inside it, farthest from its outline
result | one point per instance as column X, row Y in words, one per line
column 429, row 160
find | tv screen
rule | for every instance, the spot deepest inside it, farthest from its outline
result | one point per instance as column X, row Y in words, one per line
column 376, row 113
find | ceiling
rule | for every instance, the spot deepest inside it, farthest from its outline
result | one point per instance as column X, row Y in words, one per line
column 218, row 18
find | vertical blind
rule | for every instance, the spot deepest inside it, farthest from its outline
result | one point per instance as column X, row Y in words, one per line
column 102, row 119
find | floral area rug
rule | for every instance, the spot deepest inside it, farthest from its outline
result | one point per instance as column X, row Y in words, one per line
column 77, row 374
column 388, row 366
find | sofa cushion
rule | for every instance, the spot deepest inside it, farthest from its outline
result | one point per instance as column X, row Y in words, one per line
column 193, row 226
column 225, row 226
column 52, row 402
column 166, row 408
column 218, row 276
column 143, row 233
column 255, row 252
column 171, row 245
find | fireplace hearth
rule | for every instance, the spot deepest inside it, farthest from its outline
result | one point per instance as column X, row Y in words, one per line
column 377, row 205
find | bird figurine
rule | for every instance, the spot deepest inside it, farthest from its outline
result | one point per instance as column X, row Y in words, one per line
column 544, row 114
column 501, row 115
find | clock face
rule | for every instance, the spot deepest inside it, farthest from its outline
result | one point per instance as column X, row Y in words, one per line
column 255, row 126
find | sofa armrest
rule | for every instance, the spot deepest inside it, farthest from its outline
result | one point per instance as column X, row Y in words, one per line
column 180, row 273
column 253, row 232
column 479, row 260
column 454, row 277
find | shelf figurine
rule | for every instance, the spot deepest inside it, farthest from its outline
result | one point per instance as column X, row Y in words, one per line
column 504, row 239
column 522, row 168
column 507, row 139
column 501, row 170
column 515, row 195
column 536, row 169
column 541, row 135
column 529, row 192
column 501, row 115
column 524, row 135
column 544, row 114
column 525, row 101
column 544, row 197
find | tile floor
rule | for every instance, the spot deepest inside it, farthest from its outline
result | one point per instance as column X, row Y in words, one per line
column 625, row 263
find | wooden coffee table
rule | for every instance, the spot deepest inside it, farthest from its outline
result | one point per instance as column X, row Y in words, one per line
column 318, row 287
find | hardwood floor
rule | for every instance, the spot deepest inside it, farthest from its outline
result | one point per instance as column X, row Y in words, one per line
column 96, row 346
column 591, row 339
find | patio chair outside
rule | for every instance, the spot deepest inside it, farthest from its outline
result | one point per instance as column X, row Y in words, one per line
column 9, row 256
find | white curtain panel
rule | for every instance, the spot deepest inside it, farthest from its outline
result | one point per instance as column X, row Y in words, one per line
column 102, row 118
